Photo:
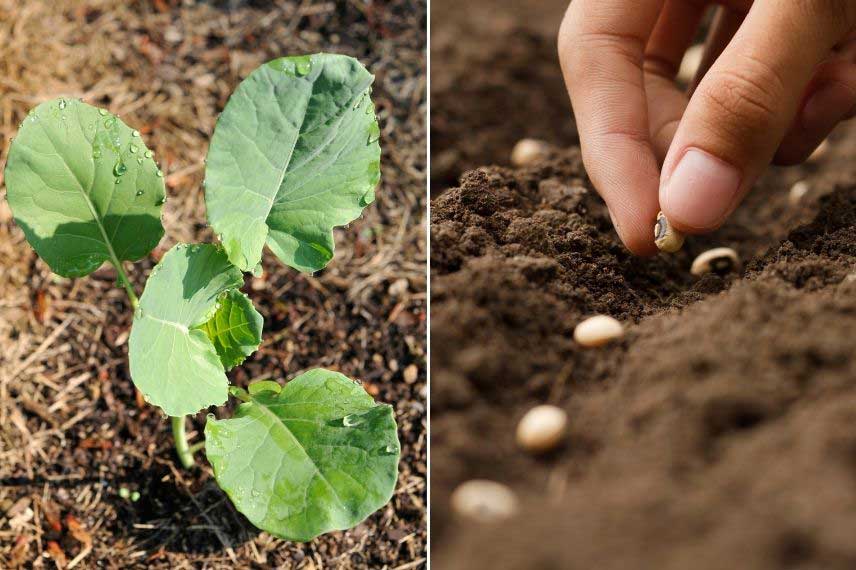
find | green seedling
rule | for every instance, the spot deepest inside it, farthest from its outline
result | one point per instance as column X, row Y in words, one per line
column 294, row 154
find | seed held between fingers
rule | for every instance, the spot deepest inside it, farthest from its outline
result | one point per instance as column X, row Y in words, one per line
column 542, row 429
column 528, row 151
column 666, row 237
column 720, row 260
column 484, row 501
column 598, row 331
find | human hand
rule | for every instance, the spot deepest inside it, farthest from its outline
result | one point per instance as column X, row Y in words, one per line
column 785, row 77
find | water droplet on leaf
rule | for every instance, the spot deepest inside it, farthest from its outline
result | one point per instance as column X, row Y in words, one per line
column 119, row 169
column 135, row 133
column 148, row 154
column 351, row 420
column 139, row 192
column 102, row 112
column 133, row 148
column 303, row 66
column 62, row 104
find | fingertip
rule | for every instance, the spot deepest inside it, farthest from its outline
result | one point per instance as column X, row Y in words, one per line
column 636, row 235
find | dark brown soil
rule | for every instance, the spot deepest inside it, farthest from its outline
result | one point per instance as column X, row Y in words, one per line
column 73, row 431
column 717, row 434
column 495, row 80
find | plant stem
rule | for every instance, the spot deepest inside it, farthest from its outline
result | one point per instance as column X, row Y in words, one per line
column 198, row 446
column 123, row 278
column 185, row 454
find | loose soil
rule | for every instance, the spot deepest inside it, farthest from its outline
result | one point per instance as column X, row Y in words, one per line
column 73, row 431
column 719, row 433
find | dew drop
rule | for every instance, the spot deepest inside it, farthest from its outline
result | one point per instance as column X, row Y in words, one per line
column 109, row 122
column 96, row 153
column 139, row 192
column 133, row 148
column 351, row 420
column 135, row 133
column 139, row 160
column 138, row 314
column 62, row 104
column 255, row 493
column 161, row 201
column 160, row 174
column 303, row 67
column 148, row 154
column 119, row 169
column 102, row 112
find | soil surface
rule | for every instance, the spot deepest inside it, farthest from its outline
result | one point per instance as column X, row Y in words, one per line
column 717, row 434
column 73, row 431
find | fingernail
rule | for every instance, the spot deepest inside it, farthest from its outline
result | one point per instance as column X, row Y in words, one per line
column 700, row 191
column 826, row 108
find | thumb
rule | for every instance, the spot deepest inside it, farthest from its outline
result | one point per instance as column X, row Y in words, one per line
column 743, row 108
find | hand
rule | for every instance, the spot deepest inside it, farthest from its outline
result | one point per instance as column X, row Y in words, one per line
column 779, row 86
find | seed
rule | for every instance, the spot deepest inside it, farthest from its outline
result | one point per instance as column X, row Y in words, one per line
column 798, row 191
column 541, row 429
column 690, row 64
column 719, row 260
column 527, row 152
column 598, row 331
column 484, row 501
column 666, row 237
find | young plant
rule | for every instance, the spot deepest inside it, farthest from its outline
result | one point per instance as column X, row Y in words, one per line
column 294, row 154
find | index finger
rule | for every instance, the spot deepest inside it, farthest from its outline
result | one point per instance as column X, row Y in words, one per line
column 601, row 49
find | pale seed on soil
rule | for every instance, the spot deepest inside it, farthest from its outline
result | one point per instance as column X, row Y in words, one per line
column 528, row 151
column 797, row 192
column 666, row 237
column 542, row 429
column 598, row 331
column 484, row 501
column 717, row 260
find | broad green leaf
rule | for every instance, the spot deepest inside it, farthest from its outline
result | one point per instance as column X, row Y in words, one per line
column 235, row 329
column 173, row 362
column 83, row 187
column 294, row 154
column 320, row 455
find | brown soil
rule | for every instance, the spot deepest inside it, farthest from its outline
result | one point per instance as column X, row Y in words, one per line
column 72, row 429
column 494, row 81
column 717, row 434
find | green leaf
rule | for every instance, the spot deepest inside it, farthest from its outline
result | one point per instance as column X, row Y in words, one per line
column 83, row 187
column 173, row 362
column 294, row 154
column 235, row 329
column 320, row 455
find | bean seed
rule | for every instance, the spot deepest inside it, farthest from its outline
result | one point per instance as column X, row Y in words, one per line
column 542, row 429
column 666, row 237
column 598, row 330
column 690, row 64
column 484, row 501
column 798, row 191
column 719, row 260
column 528, row 151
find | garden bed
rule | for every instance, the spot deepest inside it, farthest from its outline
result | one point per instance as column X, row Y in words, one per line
column 717, row 433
